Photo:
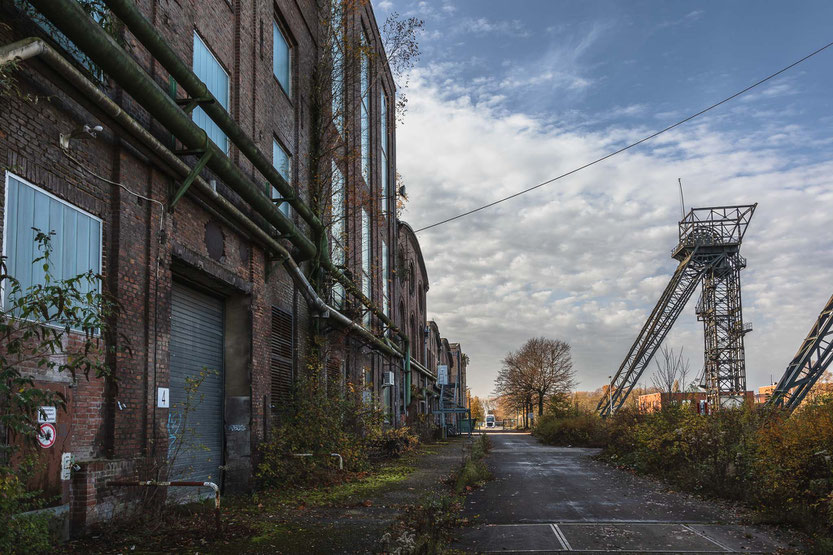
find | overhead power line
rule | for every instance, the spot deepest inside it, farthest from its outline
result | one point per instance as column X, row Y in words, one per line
column 632, row 145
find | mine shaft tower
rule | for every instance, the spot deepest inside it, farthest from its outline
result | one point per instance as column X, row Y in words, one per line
column 709, row 254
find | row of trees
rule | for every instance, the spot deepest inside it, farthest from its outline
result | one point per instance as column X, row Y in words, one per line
column 538, row 374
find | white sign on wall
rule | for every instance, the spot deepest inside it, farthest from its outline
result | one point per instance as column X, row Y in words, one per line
column 163, row 401
column 66, row 466
column 442, row 374
column 47, row 415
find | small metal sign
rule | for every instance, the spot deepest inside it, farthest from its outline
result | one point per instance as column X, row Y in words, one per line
column 47, row 415
column 66, row 466
column 442, row 374
column 163, row 401
column 47, row 435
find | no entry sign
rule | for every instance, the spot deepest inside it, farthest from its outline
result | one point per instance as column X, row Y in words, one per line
column 46, row 435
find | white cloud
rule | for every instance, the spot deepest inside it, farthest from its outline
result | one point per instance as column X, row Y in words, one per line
column 585, row 258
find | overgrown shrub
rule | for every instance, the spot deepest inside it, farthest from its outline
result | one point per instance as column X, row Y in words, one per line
column 579, row 429
column 394, row 442
column 20, row 533
column 474, row 471
column 320, row 420
column 776, row 462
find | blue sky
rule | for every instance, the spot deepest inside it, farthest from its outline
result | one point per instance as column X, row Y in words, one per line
column 508, row 94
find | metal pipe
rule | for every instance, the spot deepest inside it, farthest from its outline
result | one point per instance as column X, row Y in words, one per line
column 96, row 43
column 128, row 12
column 154, row 483
column 107, row 54
column 34, row 47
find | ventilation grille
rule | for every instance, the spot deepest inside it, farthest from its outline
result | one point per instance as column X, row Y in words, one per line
column 281, row 349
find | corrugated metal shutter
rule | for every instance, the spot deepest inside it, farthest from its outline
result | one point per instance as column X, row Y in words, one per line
column 196, row 435
column 281, row 347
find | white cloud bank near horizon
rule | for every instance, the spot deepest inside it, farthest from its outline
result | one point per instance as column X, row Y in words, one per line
column 584, row 259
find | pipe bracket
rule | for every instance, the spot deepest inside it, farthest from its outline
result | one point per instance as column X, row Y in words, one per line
column 206, row 156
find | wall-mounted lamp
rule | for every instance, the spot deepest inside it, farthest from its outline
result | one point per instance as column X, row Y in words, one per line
column 79, row 133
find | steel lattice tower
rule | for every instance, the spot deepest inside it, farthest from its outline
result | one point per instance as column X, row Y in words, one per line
column 709, row 253
column 720, row 310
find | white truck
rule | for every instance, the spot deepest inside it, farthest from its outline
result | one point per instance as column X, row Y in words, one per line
column 490, row 420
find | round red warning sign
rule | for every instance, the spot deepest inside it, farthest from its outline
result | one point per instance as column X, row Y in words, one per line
column 46, row 435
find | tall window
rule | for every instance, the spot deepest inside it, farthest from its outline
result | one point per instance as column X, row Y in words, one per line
column 365, row 111
column 281, row 57
column 283, row 163
column 385, row 281
column 383, row 148
column 76, row 243
column 337, row 229
column 337, row 72
column 210, row 72
column 367, row 251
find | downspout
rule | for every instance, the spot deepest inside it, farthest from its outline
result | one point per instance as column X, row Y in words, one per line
column 34, row 47
column 96, row 43
column 407, row 344
column 128, row 12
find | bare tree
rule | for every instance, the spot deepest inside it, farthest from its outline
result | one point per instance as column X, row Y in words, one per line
column 540, row 369
column 672, row 372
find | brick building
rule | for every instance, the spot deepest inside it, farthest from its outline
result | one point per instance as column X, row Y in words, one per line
column 210, row 246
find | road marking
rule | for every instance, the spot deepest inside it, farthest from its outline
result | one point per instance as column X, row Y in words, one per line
column 704, row 536
column 565, row 545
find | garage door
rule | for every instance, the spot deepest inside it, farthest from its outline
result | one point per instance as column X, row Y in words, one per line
column 195, row 418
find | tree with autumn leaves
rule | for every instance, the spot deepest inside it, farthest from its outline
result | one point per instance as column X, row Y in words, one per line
column 534, row 375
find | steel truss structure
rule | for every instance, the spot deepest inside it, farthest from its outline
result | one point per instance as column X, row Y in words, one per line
column 808, row 364
column 709, row 253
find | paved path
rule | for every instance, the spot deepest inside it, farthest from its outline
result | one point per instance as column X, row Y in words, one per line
column 559, row 499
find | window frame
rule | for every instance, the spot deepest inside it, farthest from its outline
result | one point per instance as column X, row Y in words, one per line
column 208, row 49
column 272, row 189
column 279, row 27
column 93, row 217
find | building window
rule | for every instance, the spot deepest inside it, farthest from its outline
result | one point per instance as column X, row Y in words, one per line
column 337, row 71
column 210, row 72
column 365, row 111
column 383, row 148
column 281, row 57
column 76, row 243
column 337, row 229
column 385, row 279
column 367, row 251
column 283, row 163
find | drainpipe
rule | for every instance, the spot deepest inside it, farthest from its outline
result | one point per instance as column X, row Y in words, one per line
column 96, row 43
column 128, row 12
column 407, row 343
column 34, row 47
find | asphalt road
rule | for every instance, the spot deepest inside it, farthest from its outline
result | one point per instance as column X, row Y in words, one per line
column 559, row 499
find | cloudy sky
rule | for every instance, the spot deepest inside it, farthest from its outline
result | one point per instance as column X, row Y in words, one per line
column 509, row 94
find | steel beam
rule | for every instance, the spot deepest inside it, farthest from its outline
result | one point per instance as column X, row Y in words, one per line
column 810, row 362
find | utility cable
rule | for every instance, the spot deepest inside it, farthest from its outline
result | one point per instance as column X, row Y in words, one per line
column 632, row 145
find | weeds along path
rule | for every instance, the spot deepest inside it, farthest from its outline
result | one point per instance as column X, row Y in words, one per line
column 352, row 517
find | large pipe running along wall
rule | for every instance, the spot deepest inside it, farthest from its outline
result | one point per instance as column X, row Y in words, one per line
column 30, row 48
column 107, row 54
column 130, row 15
column 144, row 31
column 96, row 43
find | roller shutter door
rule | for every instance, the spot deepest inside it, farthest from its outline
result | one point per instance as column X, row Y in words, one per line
column 196, row 434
